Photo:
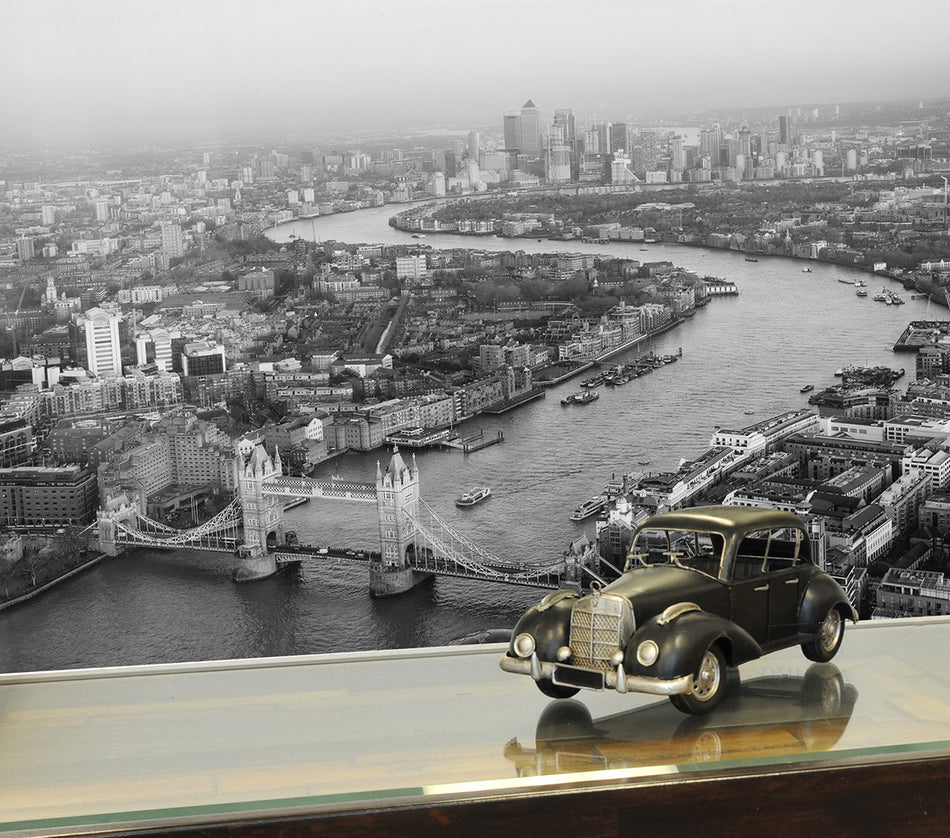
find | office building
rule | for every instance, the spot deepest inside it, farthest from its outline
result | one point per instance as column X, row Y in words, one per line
column 512, row 129
column 261, row 282
column 784, row 130
column 103, row 357
column 411, row 267
column 16, row 441
column 172, row 242
column 620, row 137
column 203, row 358
column 47, row 496
column 557, row 163
column 677, row 155
column 154, row 347
column 531, row 130
column 24, row 248
column 567, row 129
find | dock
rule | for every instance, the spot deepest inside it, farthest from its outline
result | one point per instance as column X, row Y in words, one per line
column 474, row 442
column 418, row 438
column 511, row 404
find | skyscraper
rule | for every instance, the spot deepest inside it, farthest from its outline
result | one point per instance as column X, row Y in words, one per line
column 172, row 242
column 564, row 121
column 677, row 155
column 783, row 132
column 558, row 163
column 474, row 144
column 102, row 342
column 619, row 138
column 745, row 142
column 531, row 130
column 512, row 126
column 709, row 143
column 603, row 138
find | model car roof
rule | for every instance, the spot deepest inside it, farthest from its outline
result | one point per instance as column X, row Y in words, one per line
column 723, row 519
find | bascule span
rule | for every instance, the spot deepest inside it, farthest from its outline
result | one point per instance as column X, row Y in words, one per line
column 415, row 541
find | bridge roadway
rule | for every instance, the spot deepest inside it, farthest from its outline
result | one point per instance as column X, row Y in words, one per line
column 333, row 736
column 534, row 576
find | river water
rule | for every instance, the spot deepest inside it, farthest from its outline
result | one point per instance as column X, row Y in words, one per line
column 747, row 353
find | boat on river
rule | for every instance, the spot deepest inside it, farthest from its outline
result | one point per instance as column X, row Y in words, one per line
column 581, row 397
column 807, row 388
column 476, row 495
column 589, row 507
column 586, row 397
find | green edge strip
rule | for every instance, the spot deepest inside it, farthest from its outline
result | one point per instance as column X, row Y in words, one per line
column 368, row 796
column 210, row 809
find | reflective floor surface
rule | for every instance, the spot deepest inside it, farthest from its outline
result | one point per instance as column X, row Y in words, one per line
column 185, row 740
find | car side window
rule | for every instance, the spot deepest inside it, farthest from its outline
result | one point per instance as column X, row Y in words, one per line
column 750, row 556
column 784, row 550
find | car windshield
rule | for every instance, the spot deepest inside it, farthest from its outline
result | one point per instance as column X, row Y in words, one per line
column 694, row 549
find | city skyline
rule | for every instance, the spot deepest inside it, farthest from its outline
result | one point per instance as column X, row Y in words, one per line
column 109, row 70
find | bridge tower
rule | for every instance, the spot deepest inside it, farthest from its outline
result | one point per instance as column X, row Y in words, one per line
column 397, row 501
column 263, row 514
column 115, row 510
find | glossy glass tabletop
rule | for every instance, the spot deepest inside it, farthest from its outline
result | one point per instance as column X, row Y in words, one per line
column 90, row 747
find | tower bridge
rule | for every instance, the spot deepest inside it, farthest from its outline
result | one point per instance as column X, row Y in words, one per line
column 415, row 541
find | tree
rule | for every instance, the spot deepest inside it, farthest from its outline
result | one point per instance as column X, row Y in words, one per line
column 535, row 289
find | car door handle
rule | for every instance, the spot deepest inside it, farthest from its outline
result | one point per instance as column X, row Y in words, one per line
column 762, row 588
column 791, row 581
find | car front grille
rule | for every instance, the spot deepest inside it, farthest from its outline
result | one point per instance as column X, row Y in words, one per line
column 598, row 630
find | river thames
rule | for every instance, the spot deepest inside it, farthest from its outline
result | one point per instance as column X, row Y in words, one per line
column 744, row 358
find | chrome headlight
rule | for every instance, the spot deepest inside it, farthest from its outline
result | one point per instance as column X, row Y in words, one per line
column 647, row 653
column 523, row 645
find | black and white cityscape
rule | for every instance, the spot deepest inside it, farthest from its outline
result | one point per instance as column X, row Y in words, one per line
column 347, row 328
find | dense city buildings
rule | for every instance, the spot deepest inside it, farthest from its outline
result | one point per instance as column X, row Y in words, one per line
column 150, row 325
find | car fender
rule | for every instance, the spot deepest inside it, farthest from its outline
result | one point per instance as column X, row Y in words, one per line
column 683, row 641
column 549, row 623
column 822, row 593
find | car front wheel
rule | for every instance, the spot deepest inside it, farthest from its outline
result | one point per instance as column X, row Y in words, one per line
column 826, row 644
column 709, row 684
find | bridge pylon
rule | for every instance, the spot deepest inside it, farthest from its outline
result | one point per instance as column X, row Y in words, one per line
column 122, row 509
column 263, row 515
column 397, row 504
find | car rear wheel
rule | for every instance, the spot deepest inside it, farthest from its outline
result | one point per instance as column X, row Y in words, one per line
column 826, row 644
column 552, row 690
column 709, row 684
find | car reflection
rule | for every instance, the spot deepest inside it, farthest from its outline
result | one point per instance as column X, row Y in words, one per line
column 768, row 717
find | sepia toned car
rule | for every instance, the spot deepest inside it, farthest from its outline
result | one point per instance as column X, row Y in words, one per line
column 703, row 589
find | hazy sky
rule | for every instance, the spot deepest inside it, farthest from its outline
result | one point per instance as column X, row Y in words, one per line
column 125, row 67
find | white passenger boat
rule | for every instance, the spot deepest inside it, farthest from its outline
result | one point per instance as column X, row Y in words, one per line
column 588, row 508
column 477, row 495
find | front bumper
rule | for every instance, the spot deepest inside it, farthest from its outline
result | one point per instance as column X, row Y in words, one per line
column 615, row 679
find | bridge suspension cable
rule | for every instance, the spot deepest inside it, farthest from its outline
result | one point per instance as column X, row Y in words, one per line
column 445, row 550
column 217, row 533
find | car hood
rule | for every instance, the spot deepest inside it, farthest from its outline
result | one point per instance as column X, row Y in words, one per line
column 651, row 589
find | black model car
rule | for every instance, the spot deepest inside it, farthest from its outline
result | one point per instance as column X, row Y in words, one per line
column 704, row 588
